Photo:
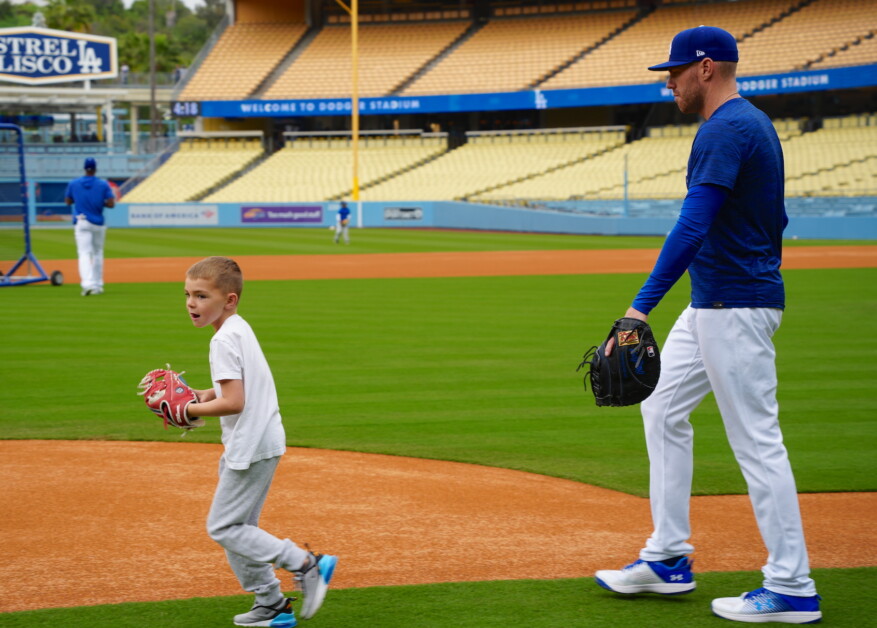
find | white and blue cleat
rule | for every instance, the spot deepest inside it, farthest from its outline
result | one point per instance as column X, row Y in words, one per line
column 315, row 582
column 650, row 577
column 762, row 605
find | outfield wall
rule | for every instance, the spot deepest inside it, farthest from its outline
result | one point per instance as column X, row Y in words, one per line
column 452, row 215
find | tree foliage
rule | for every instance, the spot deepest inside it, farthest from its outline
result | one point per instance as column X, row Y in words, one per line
column 179, row 32
column 12, row 15
column 70, row 15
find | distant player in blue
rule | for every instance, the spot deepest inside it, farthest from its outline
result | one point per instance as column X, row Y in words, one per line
column 729, row 238
column 342, row 224
column 89, row 195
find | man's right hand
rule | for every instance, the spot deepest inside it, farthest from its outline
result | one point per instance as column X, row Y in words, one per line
column 631, row 313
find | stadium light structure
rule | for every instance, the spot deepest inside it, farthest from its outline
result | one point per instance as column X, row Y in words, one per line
column 353, row 11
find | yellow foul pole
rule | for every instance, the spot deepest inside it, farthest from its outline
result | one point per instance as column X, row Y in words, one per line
column 353, row 11
column 354, row 121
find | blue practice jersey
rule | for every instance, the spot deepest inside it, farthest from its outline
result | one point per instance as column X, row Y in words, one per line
column 343, row 213
column 739, row 262
column 88, row 194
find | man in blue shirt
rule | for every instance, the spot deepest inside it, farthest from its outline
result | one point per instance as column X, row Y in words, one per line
column 729, row 238
column 342, row 224
column 89, row 195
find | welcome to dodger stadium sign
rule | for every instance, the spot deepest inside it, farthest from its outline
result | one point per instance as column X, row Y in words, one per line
column 36, row 56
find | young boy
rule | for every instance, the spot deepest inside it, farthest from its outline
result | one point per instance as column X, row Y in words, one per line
column 245, row 399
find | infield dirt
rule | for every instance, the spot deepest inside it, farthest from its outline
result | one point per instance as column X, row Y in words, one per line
column 108, row 522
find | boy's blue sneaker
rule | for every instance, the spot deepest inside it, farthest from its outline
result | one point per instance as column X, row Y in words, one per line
column 762, row 606
column 650, row 577
column 315, row 582
column 279, row 615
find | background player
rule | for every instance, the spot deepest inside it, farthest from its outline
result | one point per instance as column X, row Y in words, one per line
column 89, row 195
column 729, row 237
column 342, row 224
column 253, row 440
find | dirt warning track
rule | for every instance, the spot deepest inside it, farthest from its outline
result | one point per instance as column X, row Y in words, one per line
column 450, row 264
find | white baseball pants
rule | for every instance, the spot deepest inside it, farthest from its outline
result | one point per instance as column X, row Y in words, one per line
column 342, row 231
column 730, row 352
column 233, row 522
column 90, row 248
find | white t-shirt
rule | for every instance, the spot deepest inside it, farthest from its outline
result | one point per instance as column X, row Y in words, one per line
column 257, row 432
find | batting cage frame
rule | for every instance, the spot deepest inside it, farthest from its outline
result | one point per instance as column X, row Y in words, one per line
column 28, row 262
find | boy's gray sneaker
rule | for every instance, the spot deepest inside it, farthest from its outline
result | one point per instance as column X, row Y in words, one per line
column 314, row 582
column 279, row 615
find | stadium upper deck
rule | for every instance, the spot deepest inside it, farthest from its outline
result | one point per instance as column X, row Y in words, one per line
column 551, row 46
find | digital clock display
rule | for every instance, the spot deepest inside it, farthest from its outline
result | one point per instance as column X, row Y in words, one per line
column 184, row 109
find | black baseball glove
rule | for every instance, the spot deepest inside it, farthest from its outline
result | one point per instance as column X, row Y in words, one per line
column 630, row 373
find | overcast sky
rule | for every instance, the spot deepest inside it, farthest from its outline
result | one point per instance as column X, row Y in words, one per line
column 189, row 3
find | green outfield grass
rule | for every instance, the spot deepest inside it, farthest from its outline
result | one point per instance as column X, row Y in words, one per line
column 565, row 603
column 475, row 369
column 58, row 243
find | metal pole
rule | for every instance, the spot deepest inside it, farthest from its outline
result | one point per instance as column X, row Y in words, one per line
column 22, row 188
column 153, row 113
column 353, row 11
column 134, row 128
column 354, row 22
column 111, row 121
column 626, row 197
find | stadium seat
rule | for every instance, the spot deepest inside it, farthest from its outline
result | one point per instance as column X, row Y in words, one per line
column 861, row 52
column 624, row 59
column 319, row 169
column 806, row 36
column 837, row 160
column 198, row 166
column 242, row 58
column 388, row 54
column 655, row 169
column 492, row 160
column 514, row 53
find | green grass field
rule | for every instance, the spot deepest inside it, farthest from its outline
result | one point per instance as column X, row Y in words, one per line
column 532, row 603
column 476, row 369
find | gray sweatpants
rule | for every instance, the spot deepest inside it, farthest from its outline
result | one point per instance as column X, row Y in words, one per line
column 233, row 522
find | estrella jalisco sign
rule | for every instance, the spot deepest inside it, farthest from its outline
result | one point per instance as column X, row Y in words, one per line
column 35, row 56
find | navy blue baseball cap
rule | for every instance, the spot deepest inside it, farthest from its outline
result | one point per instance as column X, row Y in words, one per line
column 90, row 164
column 699, row 43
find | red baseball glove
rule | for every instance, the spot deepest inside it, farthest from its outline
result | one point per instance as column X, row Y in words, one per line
column 168, row 395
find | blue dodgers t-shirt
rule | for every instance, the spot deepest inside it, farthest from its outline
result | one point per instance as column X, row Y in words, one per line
column 739, row 262
column 88, row 194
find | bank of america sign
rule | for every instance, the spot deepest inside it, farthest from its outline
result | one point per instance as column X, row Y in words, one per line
column 36, row 56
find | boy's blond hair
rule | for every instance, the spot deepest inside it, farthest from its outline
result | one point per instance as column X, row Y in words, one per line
column 222, row 271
